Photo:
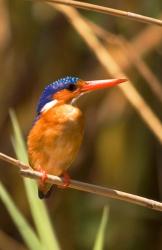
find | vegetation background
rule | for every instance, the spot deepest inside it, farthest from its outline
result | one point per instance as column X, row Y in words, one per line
column 37, row 46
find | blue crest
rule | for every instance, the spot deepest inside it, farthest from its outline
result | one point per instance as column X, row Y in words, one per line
column 52, row 88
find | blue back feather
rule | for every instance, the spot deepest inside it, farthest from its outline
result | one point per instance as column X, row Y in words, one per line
column 52, row 88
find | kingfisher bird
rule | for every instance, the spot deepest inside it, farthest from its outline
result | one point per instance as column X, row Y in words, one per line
column 56, row 135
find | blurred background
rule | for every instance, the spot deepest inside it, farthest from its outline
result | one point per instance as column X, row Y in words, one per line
column 37, row 46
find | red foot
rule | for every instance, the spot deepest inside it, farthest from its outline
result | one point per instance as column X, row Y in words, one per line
column 43, row 177
column 66, row 181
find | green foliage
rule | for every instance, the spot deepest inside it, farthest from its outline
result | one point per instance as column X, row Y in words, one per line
column 38, row 209
column 47, row 238
column 99, row 242
column 23, row 226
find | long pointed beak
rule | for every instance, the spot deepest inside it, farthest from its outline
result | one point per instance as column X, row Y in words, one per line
column 100, row 84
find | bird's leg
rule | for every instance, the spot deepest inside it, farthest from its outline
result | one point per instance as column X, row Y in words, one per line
column 43, row 177
column 66, row 180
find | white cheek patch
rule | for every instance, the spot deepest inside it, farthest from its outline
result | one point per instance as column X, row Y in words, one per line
column 49, row 105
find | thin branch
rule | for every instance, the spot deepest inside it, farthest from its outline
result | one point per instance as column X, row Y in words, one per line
column 106, row 10
column 13, row 161
column 86, row 187
column 110, row 65
column 102, row 191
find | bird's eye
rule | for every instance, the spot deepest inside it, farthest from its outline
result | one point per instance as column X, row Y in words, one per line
column 72, row 87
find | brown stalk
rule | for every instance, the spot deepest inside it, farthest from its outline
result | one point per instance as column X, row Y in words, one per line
column 86, row 187
column 111, row 67
column 106, row 10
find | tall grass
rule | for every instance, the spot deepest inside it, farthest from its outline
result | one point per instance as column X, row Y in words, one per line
column 45, row 231
column 100, row 236
column 44, row 238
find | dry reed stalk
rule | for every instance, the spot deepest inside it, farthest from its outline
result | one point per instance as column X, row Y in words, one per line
column 110, row 11
column 109, row 64
column 86, row 187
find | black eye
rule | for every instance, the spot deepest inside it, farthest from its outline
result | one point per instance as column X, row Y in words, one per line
column 72, row 87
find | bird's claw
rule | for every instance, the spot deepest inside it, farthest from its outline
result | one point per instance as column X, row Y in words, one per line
column 66, row 181
column 43, row 177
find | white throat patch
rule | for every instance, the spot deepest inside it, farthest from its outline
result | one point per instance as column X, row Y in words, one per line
column 49, row 105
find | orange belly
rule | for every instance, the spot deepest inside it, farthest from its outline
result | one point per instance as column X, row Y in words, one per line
column 54, row 140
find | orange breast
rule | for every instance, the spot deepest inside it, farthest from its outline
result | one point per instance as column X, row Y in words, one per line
column 54, row 140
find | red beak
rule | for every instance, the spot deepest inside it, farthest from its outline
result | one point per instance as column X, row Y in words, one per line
column 100, row 84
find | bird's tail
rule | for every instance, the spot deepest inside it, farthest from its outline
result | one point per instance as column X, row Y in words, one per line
column 44, row 191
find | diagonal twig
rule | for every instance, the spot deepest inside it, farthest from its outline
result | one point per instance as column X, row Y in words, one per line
column 106, row 10
column 86, row 187
column 110, row 65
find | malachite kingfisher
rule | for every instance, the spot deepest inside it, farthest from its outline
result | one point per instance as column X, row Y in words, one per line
column 56, row 135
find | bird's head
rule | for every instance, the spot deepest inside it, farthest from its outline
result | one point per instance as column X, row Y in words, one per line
column 67, row 89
